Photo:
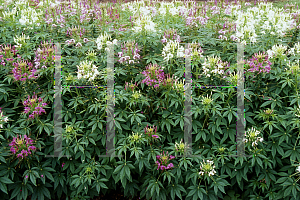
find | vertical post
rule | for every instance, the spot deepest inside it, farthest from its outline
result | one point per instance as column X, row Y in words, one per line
column 188, row 100
column 240, row 102
column 110, row 127
column 57, row 105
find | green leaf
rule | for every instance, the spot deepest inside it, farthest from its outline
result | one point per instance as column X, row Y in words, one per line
column 5, row 180
column 3, row 187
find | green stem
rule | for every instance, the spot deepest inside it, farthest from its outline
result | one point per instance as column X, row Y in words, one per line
column 158, row 177
column 228, row 98
column 205, row 121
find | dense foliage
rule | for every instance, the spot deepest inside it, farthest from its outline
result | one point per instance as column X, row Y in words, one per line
column 149, row 74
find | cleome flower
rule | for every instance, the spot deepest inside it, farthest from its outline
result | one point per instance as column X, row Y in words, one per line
column 135, row 137
column 214, row 65
column 20, row 40
column 144, row 23
column 252, row 136
column 87, row 71
column 131, row 85
column 44, row 55
column 23, row 70
column 103, row 40
column 136, row 94
column 181, row 147
column 3, row 119
column 259, row 63
column 294, row 67
column 207, row 100
column 169, row 50
column 151, row 133
column 129, row 53
column 207, row 168
column 179, row 85
column 34, row 106
column 296, row 50
column 154, row 75
column 163, row 161
column 268, row 111
column 277, row 51
column 168, row 81
column 22, row 146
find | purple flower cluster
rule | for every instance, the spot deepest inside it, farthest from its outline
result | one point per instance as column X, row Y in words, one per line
column 7, row 53
column 35, row 106
column 23, row 70
column 44, row 55
column 151, row 133
column 131, row 86
column 153, row 75
column 257, row 63
column 162, row 164
column 129, row 52
column 75, row 31
column 168, row 81
column 172, row 35
column 22, row 146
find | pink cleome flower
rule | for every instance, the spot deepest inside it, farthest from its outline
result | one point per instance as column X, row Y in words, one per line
column 34, row 106
column 163, row 164
column 20, row 146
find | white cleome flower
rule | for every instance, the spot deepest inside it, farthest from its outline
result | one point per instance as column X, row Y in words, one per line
column 19, row 40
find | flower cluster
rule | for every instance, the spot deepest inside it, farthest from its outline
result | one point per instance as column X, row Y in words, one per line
column 207, row 168
column 129, row 53
column 277, row 51
column 295, row 49
column 179, row 85
column 257, row 63
column 91, row 55
column 227, row 28
column 20, row 40
column 103, row 40
column 251, row 136
column 168, row 81
column 163, row 162
column 29, row 16
column 154, row 75
column 135, row 137
column 131, row 86
column 169, row 50
column 268, row 111
column 23, row 70
column 44, row 55
column 151, row 132
column 34, row 106
column 22, row 146
column 181, row 147
column 75, row 31
column 207, row 100
column 136, row 94
column 266, row 18
column 170, row 34
column 3, row 119
column 10, row 14
column 294, row 67
column 7, row 52
column 144, row 23
column 214, row 65
column 87, row 70
column 194, row 21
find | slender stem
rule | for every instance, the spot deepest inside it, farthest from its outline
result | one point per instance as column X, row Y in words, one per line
column 205, row 121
